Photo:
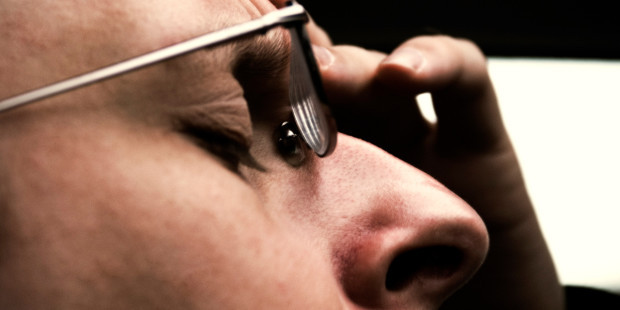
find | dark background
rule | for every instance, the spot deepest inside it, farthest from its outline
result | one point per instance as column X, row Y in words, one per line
column 545, row 28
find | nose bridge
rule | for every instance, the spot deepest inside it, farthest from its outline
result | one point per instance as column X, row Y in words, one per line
column 396, row 235
column 373, row 192
column 359, row 172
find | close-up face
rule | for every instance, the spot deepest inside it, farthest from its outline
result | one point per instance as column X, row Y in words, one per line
column 186, row 184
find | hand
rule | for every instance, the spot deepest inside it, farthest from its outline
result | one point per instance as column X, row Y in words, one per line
column 372, row 96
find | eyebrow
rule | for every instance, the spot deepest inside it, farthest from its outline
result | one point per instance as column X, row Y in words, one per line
column 265, row 55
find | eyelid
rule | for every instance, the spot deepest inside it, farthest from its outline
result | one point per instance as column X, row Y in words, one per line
column 221, row 127
column 230, row 150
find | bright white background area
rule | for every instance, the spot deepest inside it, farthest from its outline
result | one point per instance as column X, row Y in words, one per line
column 563, row 117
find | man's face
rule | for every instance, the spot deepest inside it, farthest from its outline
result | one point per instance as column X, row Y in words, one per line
column 128, row 192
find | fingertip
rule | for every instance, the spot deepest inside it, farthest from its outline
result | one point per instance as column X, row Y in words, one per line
column 403, row 69
column 406, row 59
column 400, row 71
column 324, row 57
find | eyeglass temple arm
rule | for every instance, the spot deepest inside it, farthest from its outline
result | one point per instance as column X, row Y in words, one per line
column 294, row 13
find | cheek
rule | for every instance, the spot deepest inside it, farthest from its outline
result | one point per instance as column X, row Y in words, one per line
column 229, row 250
column 156, row 219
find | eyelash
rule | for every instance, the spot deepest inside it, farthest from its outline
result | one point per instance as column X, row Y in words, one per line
column 230, row 151
column 288, row 144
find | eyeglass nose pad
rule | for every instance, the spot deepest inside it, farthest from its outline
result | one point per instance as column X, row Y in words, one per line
column 332, row 131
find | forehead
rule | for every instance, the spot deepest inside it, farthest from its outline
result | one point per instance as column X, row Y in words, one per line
column 128, row 22
column 91, row 36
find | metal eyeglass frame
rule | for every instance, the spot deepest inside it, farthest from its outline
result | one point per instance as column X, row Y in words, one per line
column 305, row 87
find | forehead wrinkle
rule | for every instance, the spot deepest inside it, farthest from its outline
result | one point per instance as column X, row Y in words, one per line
column 260, row 6
column 240, row 11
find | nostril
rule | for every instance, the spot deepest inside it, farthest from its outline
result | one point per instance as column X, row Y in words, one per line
column 422, row 263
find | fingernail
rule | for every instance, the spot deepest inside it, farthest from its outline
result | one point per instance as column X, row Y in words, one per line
column 323, row 56
column 406, row 57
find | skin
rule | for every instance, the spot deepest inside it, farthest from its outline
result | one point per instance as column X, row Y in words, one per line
column 110, row 199
column 468, row 150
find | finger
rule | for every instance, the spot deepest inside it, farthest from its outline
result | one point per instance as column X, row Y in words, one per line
column 348, row 72
column 455, row 73
column 363, row 107
column 435, row 63
column 317, row 35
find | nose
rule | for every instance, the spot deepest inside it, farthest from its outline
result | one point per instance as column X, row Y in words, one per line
column 398, row 238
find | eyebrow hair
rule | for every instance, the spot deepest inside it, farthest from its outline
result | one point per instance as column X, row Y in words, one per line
column 263, row 55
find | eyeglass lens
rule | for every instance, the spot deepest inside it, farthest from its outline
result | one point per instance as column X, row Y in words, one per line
column 307, row 96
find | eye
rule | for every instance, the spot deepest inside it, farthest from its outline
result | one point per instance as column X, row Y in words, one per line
column 290, row 144
column 230, row 150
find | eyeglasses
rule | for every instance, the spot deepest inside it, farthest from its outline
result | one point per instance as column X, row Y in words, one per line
column 306, row 93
